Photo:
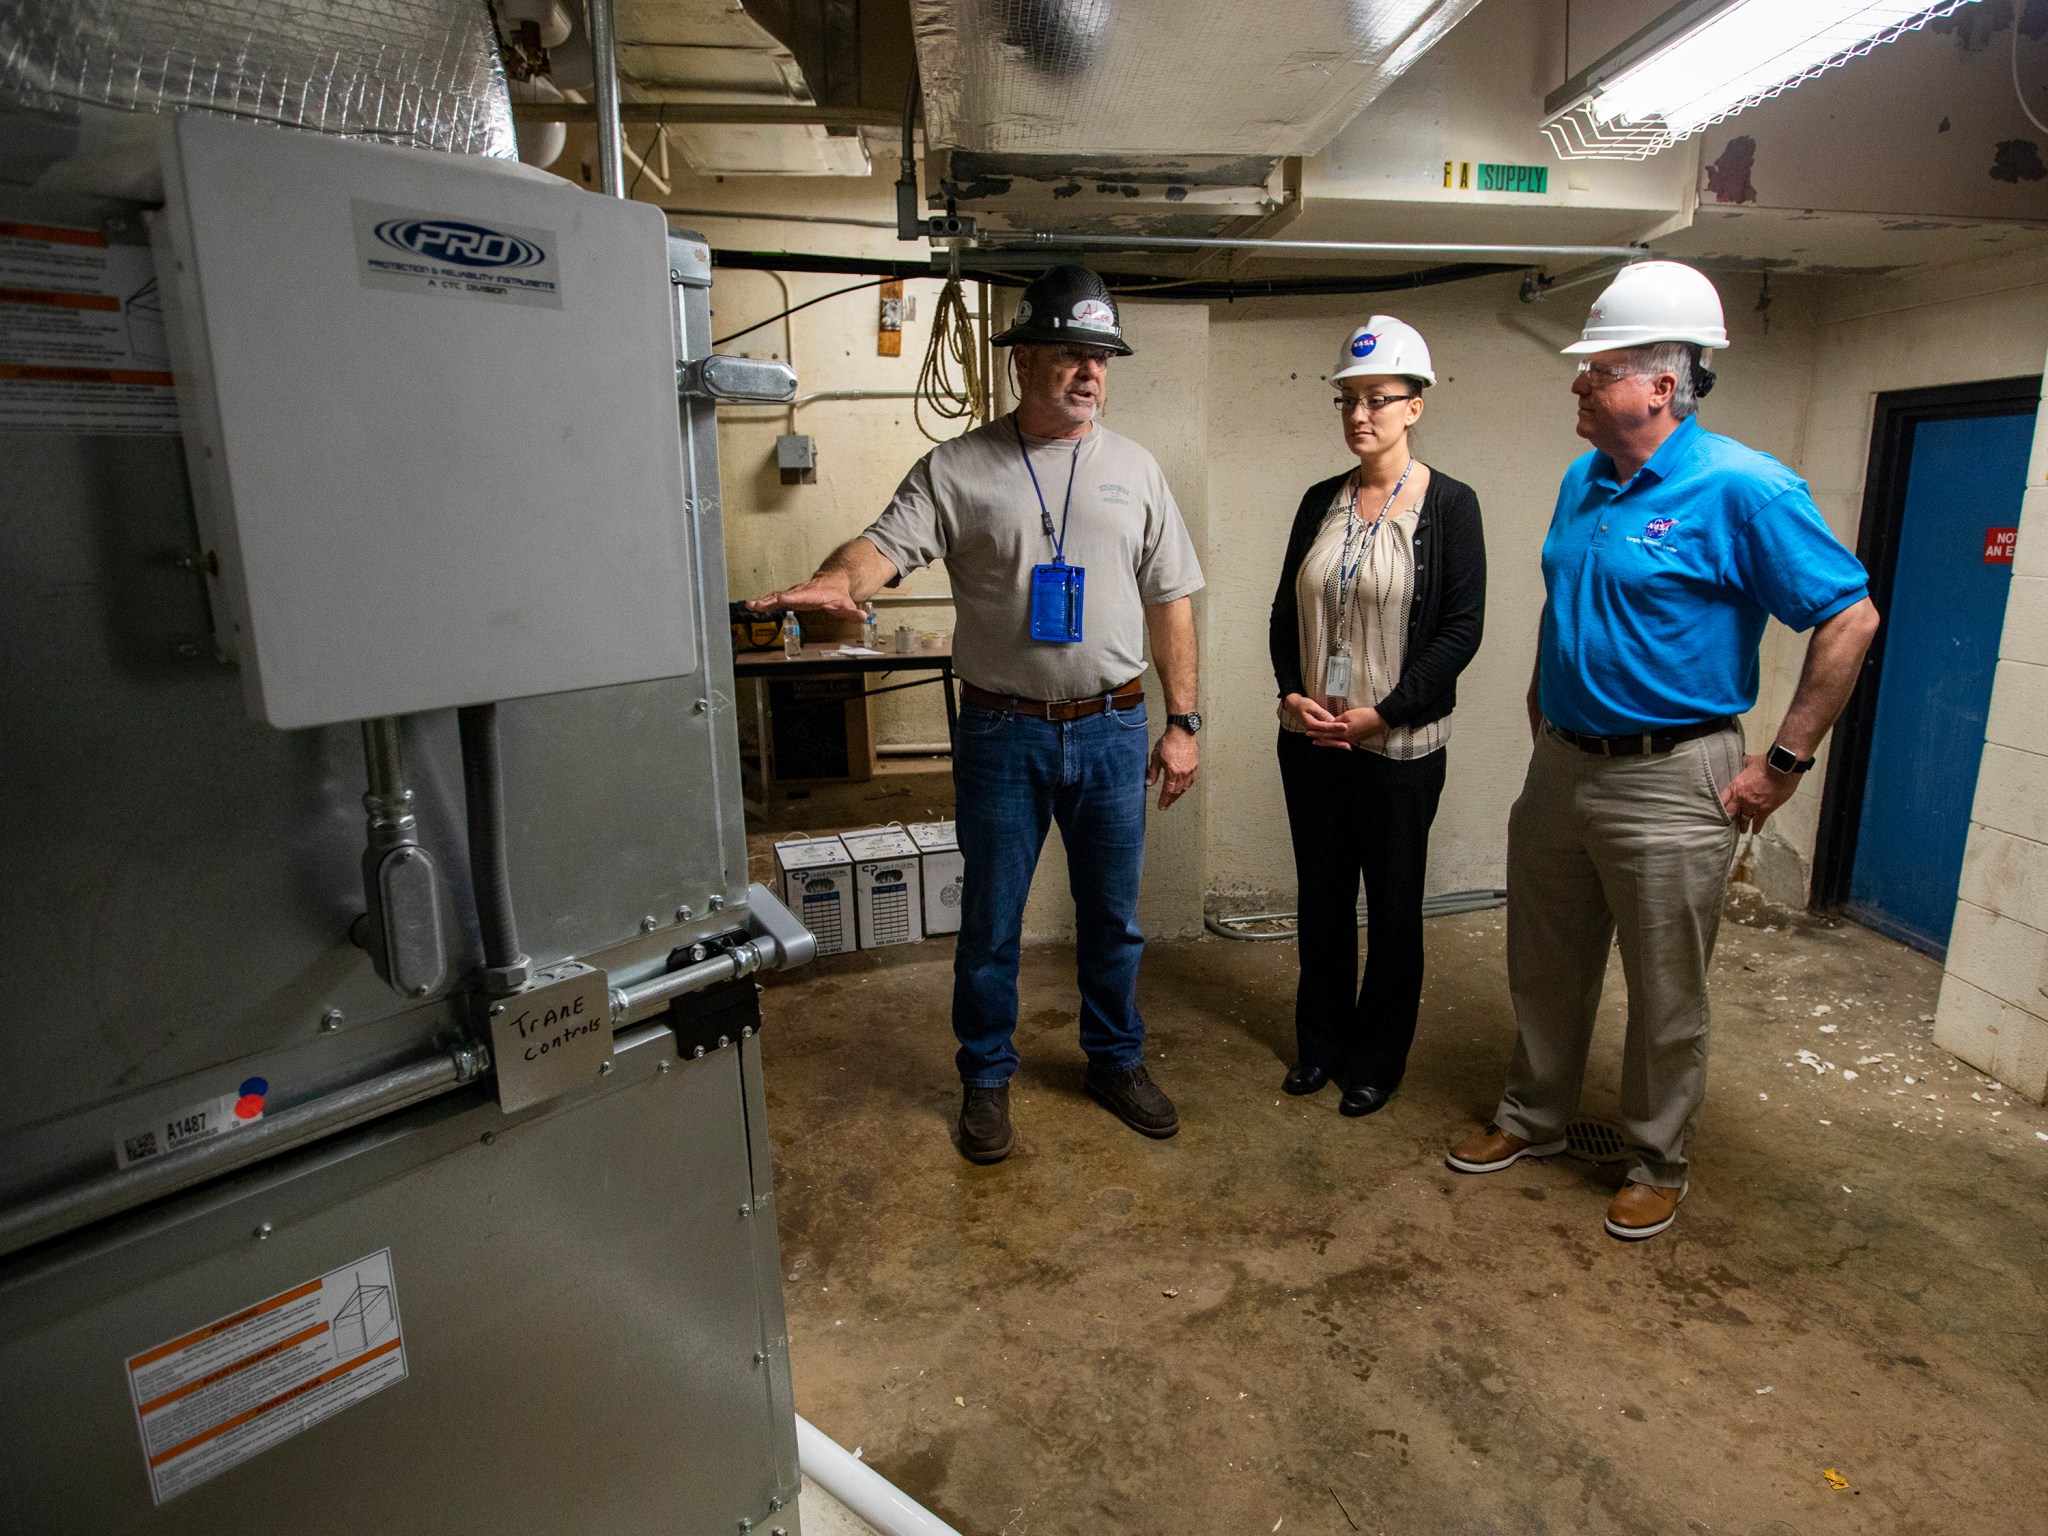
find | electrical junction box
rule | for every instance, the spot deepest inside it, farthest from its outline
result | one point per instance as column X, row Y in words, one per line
column 796, row 455
column 817, row 885
column 430, row 415
column 887, row 886
column 943, row 872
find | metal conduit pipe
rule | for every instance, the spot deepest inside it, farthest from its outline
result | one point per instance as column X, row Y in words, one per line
column 506, row 967
column 109, row 1195
column 996, row 243
column 1447, row 904
column 863, row 1490
column 611, row 165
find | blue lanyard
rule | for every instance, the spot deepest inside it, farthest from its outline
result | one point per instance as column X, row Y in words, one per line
column 1347, row 568
column 1059, row 541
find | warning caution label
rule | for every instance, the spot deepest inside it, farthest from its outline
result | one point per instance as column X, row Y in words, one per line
column 81, row 334
column 223, row 1393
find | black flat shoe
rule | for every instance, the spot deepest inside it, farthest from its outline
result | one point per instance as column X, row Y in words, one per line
column 1303, row 1079
column 1363, row 1101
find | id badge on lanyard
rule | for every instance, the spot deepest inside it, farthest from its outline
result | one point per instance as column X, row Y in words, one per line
column 1337, row 678
column 1056, row 592
column 1056, row 589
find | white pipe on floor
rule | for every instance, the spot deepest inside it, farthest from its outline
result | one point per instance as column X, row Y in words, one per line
column 861, row 1488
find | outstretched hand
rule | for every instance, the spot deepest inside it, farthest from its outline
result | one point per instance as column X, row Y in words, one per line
column 821, row 594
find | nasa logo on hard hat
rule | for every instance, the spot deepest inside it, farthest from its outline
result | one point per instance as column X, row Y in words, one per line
column 1023, row 311
column 1095, row 313
column 1363, row 343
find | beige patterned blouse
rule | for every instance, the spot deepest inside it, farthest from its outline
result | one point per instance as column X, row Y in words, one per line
column 1376, row 620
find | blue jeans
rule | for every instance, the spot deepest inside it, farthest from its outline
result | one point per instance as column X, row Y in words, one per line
column 1012, row 775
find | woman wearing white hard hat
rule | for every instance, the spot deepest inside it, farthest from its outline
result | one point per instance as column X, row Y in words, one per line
column 1379, row 608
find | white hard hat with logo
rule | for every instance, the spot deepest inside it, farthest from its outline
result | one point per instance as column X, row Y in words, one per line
column 1653, row 301
column 1384, row 345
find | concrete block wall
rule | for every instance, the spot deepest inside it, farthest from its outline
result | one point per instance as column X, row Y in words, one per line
column 1993, row 1011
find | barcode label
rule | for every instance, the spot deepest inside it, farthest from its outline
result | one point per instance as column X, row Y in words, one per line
column 199, row 1122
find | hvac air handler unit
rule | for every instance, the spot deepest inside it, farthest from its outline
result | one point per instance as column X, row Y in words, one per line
column 383, row 1144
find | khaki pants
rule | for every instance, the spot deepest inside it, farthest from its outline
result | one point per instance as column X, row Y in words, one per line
column 1599, row 848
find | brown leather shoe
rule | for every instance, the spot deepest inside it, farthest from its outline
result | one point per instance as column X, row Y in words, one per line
column 1490, row 1149
column 1643, row 1210
column 1134, row 1099
column 985, row 1135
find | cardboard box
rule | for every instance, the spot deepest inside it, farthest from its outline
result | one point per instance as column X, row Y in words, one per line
column 943, row 872
column 887, row 886
column 816, row 876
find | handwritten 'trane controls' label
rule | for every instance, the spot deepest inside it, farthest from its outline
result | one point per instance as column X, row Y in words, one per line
column 554, row 1036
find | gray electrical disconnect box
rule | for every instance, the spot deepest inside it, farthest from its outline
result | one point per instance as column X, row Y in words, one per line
column 796, row 455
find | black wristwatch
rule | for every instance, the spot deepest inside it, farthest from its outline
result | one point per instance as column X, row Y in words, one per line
column 1781, row 760
column 1189, row 722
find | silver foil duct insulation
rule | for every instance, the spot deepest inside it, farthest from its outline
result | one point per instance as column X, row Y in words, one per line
column 418, row 72
column 1152, row 77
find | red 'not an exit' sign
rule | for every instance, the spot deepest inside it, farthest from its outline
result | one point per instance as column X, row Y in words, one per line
column 1998, row 545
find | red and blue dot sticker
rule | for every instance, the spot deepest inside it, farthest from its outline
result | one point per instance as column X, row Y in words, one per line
column 249, row 1098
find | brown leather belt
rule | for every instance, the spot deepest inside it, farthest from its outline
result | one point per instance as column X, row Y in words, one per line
column 1052, row 709
column 1644, row 744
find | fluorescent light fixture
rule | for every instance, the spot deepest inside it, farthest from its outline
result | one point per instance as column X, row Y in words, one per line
column 1705, row 60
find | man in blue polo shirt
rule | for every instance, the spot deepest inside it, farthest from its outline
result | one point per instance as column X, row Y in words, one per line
column 1669, row 547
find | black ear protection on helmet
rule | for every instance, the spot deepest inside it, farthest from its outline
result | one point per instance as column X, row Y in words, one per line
column 1067, row 304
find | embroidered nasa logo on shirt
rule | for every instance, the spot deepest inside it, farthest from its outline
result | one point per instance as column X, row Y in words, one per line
column 1655, row 534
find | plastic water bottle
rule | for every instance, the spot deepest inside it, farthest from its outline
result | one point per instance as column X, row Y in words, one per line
column 868, row 630
column 792, row 634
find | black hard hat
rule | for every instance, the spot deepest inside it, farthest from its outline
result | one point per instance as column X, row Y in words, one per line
column 1067, row 304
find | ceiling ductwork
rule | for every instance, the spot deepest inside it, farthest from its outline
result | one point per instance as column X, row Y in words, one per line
column 705, row 53
column 1168, row 116
column 1162, row 77
column 682, row 63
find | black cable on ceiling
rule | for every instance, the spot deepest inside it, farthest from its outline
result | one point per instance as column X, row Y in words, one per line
column 989, row 269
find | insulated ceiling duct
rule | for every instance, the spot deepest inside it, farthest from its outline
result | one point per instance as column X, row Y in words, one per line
column 1162, row 77
column 417, row 72
column 702, row 52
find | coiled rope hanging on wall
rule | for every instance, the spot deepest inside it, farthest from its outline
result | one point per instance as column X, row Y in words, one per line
column 950, row 380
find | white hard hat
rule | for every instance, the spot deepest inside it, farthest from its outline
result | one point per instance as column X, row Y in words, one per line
column 1653, row 301
column 1384, row 345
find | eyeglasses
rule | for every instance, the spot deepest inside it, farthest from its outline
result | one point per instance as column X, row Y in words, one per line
column 1079, row 357
column 1346, row 404
column 1606, row 373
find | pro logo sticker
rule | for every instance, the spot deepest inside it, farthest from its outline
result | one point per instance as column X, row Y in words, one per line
column 1095, row 313
column 416, row 250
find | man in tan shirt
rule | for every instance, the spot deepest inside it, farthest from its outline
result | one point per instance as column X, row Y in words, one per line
column 1066, row 552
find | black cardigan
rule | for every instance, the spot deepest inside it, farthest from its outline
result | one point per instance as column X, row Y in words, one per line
column 1445, row 616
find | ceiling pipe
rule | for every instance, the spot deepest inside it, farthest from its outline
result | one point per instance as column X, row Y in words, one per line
column 995, row 242
column 684, row 113
column 611, row 164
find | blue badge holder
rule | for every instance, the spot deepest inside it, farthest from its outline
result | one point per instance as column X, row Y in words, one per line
column 1056, row 592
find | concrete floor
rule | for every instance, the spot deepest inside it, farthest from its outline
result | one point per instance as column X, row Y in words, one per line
column 1287, row 1321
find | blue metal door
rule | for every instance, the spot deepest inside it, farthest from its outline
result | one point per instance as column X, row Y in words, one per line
column 1964, row 479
